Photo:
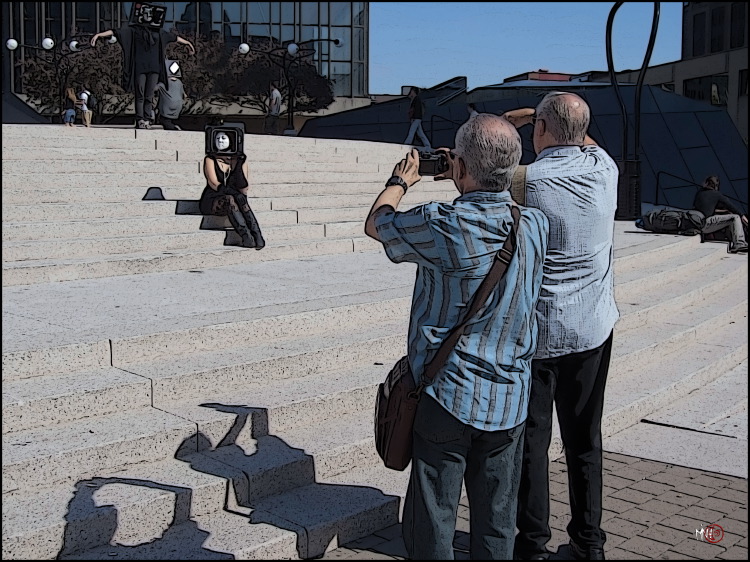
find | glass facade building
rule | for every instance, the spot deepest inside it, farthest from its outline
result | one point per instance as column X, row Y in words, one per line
column 236, row 22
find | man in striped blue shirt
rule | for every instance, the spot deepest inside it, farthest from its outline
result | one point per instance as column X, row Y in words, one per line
column 470, row 421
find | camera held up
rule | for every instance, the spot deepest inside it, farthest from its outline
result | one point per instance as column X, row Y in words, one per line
column 432, row 163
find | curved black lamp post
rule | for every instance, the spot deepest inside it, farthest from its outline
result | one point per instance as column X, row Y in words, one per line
column 285, row 58
column 629, row 181
column 48, row 44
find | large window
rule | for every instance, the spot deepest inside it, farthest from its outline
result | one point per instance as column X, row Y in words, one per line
column 717, row 29
column 235, row 22
column 739, row 23
column 699, row 34
column 711, row 89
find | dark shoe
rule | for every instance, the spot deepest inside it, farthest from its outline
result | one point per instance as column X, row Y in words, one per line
column 738, row 249
column 538, row 556
column 240, row 226
column 585, row 553
column 254, row 227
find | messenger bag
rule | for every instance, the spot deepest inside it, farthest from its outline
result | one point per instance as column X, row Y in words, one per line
column 398, row 396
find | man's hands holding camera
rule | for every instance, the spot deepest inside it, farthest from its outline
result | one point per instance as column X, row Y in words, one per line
column 407, row 170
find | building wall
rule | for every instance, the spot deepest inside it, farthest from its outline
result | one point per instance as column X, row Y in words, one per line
column 347, row 64
column 714, row 60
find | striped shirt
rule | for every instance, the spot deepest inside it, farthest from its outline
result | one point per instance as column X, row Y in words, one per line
column 485, row 381
column 576, row 188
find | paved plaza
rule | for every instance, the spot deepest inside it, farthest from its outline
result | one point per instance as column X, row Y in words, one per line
column 651, row 512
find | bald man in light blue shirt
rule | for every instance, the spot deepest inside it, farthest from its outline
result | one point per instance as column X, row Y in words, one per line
column 574, row 183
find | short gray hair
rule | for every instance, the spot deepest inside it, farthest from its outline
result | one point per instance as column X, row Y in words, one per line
column 491, row 149
column 566, row 116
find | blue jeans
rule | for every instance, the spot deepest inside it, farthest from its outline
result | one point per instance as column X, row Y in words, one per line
column 447, row 451
column 70, row 116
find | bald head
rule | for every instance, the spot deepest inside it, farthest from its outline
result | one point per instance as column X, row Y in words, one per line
column 491, row 149
column 566, row 117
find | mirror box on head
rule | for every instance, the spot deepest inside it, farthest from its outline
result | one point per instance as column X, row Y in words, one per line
column 150, row 16
column 234, row 133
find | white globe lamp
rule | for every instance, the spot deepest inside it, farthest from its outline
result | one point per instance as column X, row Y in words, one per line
column 244, row 48
column 12, row 44
column 48, row 43
column 293, row 49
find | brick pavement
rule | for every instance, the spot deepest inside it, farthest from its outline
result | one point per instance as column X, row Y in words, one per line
column 651, row 512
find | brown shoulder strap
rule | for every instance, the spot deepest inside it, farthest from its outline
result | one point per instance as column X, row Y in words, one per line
column 498, row 269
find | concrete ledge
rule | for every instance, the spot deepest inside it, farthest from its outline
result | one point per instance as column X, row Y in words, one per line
column 55, row 360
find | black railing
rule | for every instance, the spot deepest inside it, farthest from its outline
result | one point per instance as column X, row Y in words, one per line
column 432, row 125
column 689, row 183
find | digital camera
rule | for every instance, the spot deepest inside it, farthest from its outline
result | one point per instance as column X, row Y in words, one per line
column 227, row 139
column 432, row 163
column 150, row 16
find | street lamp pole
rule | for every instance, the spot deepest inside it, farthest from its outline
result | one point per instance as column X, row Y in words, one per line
column 48, row 44
column 285, row 58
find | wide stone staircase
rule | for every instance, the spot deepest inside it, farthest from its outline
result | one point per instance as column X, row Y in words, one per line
column 189, row 442
column 77, row 212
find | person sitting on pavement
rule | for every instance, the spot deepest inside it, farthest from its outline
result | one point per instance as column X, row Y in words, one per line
column 720, row 213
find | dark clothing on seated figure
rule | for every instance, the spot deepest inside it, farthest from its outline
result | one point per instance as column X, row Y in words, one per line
column 708, row 200
column 229, row 201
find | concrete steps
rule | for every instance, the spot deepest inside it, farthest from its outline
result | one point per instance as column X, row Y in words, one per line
column 338, row 451
column 83, row 211
column 170, row 178
column 135, row 194
column 243, row 428
column 79, row 213
column 185, row 166
column 47, row 271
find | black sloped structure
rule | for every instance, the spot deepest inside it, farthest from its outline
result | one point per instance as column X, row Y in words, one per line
column 681, row 140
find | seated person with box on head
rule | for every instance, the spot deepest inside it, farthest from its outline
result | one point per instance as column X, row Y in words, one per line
column 226, row 171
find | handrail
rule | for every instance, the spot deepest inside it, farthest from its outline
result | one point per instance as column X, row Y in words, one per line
column 432, row 124
column 690, row 183
column 448, row 98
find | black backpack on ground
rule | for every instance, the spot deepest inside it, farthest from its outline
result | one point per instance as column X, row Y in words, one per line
column 670, row 221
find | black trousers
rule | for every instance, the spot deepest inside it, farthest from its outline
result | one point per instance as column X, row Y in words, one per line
column 575, row 383
column 168, row 124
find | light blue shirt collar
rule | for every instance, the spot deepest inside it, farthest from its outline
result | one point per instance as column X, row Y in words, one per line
column 564, row 150
column 486, row 196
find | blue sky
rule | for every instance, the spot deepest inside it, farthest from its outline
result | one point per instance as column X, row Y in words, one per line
column 427, row 43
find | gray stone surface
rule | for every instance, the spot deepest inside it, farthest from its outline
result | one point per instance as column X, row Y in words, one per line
column 258, row 442
column 45, row 401
column 707, row 408
column 79, row 449
column 219, row 536
column 134, row 305
column 715, row 453
column 708, row 426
